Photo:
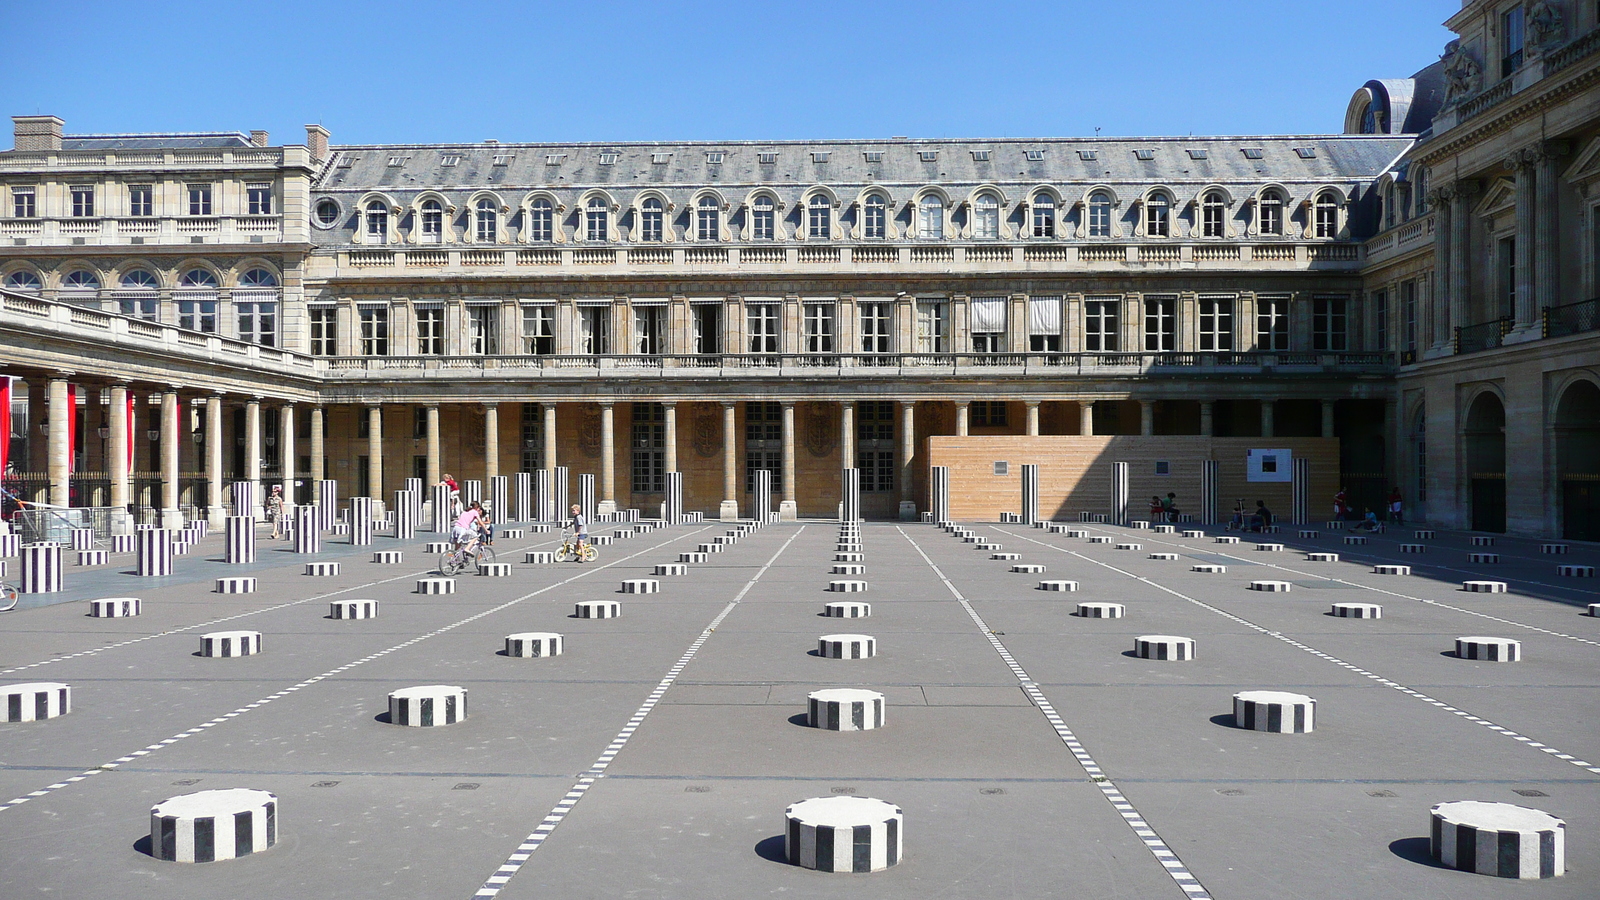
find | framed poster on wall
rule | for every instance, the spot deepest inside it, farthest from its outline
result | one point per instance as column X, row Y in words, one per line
column 1268, row 465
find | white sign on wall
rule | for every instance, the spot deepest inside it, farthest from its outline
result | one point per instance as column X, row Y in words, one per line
column 1268, row 465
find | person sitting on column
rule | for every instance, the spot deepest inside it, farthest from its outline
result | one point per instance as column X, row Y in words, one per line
column 1157, row 508
column 455, row 494
column 1261, row 518
column 468, row 525
column 1169, row 506
column 580, row 530
column 275, row 511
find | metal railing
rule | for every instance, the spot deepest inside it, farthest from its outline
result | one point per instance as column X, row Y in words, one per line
column 1483, row 336
column 1572, row 318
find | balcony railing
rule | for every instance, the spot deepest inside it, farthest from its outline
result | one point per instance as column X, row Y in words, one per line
column 1573, row 318
column 1483, row 336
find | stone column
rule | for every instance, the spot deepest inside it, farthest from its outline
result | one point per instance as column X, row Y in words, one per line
column 59, row 453
column 375, row 450
column 788, row 508
column 216, row 514
column 908, row 451
column 435, row 470
column 286, row 445
column 1547, row 229
column 171, row 516
column 117, row 465
column 1438, row 304
column 1033, row 418
column 1147, row 417
column 252, row 450
column 608, row 458
column 318, row 451
column 670, row 411
column 491, row 442
column 1327, row 418
column 1460, row 222
column 550, row 450
column 847, row 435
column 1086, row 418
column 730, row 465
column 1266, row 418
column 963, row 418
column 1525, row 310
column 1208, row 420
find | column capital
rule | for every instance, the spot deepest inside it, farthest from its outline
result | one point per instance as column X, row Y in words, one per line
column 490, row 404
column 729, row 404
column 788, row 404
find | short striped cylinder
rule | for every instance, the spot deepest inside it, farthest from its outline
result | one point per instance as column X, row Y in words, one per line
column 1499, row 839
column 986, row 546
column 513, row 534
column 1028, row 568
column 1322, row 557
column 848, row 557
column 115, row 607
column 539, row 528
column 1272, row 529
column 230, row 643
column 1553, row 548
column 322, row 569
column 640, row 586
column 181, row 545
column 1276, row 711
column 852, row 546
column 437, row 547
column 1354, row 539
column 1484, row 587
column 1009, row 518
column 1479, row 540
column 82, row 538
column 94, row 557
column 847, row 586
column 671, row 569
column 1413, row 548
column 597, row 609
column 538, row 557
column 1166, row 556
column 1193, row 533
column 428, row 705
column 847, row 646
column 1130, row 546
column 845, row 709
column 724, row 540
column 533, row 644
column 1139, row 525
column 307, row 539
column 1208, row 568
column 1100, row 610
column 692, row 557
column 327, row 504
column 1594, row 610
column 436, row 585
column 36, row 701
column 841, row 609
column 245, row 585
column 494, row 570
column 1270, row 548
column 352, row 609
column 360, row 521
column 388, row 557
column 9, row 544
column 1163, row 529
column 1575, row 571
column 1270, row 586
column 1357, row 611
column 213, row 825
column 239, row 540
column 1489, row 649
column 1391, row 570
column 1058, row 585
column 1227, row 539
column 1004, row 557
column 1307, row 533
column 847, row 569
column 1163, row 646
column 1099, row 539
column 844, row 834
column 1424, row 535
column 122, row 543
column 41, row 568
column 200, row 527
column 1483, row 559
column 243, row 494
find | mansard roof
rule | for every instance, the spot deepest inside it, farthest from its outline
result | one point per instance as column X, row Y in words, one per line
column 189, row 141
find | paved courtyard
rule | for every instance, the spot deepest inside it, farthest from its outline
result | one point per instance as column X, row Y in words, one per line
column 1033, row 754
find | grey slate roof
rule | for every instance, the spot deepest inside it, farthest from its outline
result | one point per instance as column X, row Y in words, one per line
column 154, row 141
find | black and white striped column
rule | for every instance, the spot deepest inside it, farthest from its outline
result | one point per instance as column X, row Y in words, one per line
column 328, row 505
column 1030, row 494
column 499, row 499
column 307, row 539
column 213, row 825
column 239, row 539
column 1210, row 481
column 673, row 511
column 1163, row 646
column 1119, row 493
column 352, row 609
column 1276, row 711
column 470, row 491
column 522, row 508
column 405, row 516
column 533, row 644
column 154, row 548
column 83, row 538
column 244, row 498
column 844, row 834
column 939, row 493
column 230, row 643
column 428, row 705
column 763, row 495
column 41, row 568
column 440, row 497
column 560, row 482
column 597, row 609
column 360, row 521
column 36, row 701
column 115, row 607
column 850, row 495
column 847, row 646
column 586, row 495
column 1300, row 490
column 1489, row 649
column 1499, row 839
column 845, row 709
column 543, row 499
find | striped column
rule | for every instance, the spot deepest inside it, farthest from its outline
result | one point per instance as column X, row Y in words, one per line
column 939, row 491
column 498, row 487
column 1300, row 488
column 405, row 516
column 83, row 538
column 845, row 709
column 441, row 508
column 36, row 701
column 674, row 506
column 155, row 551
column 244, row 498
column 1275, row 711
column 328, row 506
column 543, row 499
column 1499, row 839
column 844, row 834
column 240, row 540
column 1119, row 493
column 850, row 495
column 307, row 539
column 360, row 521
column 522, row 505
column 1030, row 494
column 470, row 491
column 213, row 825
column 763, row 495
column 428, row 705
column 41, row 568
column 1210, row 482
column 558, row 494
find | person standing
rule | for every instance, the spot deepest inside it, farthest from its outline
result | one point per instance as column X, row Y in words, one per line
column 275, row 511
column 1395, row 514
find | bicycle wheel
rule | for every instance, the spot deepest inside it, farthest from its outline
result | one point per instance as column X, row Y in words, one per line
column 448, row 564
column 484, row 556
column 590, row 554
column 8, row 597
column 564, row 554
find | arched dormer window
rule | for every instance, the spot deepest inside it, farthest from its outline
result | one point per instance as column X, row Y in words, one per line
column 376, row 217
column 80, row 280
column 1099, row 215
column 819, row 218
column 24, row 281
column 432, row 222
column 1270, row 212
column 485, row 221
column 258, row 278
column 986, row 216
column 200, row 279
column 596, row 220
column 1325, row 215
column 1158, row 215
column 875, row 217
column 652, row 220
column 763, row 219
column 707, row 220
column 139, row 280
column 930, row 218
column 541, row 221
column 1044, row 215
column 1213, row 215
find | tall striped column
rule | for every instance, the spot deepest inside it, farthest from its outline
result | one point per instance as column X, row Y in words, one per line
column 498, row 488
column 1301, row 506
column 244, row 498
column 939, row 493
column 470, row 491
column 328, row 505
column 1210, row 481
column 558, row 494
column 405, row 516
column 240, row 539
column 41, row 568
column 360, row 521
column 522, row 505
column 543, row 500
column 763, row 495
column 1030, row 494
column 154, row 547
column 83, row 538
column 441, row 508
column 307, row 539
column 674, row 508
column 1119, row 493
column 586, row 495
column 850, row 495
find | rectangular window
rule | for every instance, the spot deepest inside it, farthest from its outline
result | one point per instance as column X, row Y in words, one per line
column 83, row 201
column 141, row 200
column 532, row 437
column 1380, row 320
column 819, row 327
column 649, row 448
column 199, row 199
column 1216, row 323
column 762, row 217
column 137, row 304
column 24, row 203
column 1272, row 323
column 483, row 329
column 1160, row 323
column 1408, row 313
column 877, row 320
column 324, row 329
column 874, row 217
column 1044, row 217
column 933, row 326
column 650, row 330
column 374, row 330
column 1506, row 250
column 707, row 327
column 258, row 322
column 430, row 329
column 198, row 315
column 761, row 324
column 988, row 414
column 1328, row 325
column 1101, row 325
column 594, row 330
column 1511, row 40
column 419, row 423
column 1044, row 324
column 875, row 446
column 539, row 330
column 259, row 199
column 763, row 442
column 986, row 320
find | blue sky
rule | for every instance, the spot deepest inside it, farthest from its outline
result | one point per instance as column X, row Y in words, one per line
column 401, row 71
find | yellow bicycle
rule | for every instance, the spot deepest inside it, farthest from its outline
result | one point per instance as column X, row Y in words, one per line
column 569, row 549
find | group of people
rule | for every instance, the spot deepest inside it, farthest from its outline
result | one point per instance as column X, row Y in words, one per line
column 1164, row 509
column 1259, row 520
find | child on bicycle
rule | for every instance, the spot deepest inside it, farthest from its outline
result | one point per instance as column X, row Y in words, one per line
column 580, row 530
column 470, row 524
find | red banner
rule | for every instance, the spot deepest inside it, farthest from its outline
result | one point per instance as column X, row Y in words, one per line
column 5, row 422
column 72, row 425
column 129, row 423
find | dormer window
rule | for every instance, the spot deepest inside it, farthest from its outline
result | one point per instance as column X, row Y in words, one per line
column 930, row 218
column 1325, row 213
column 346, row 160
column 503, row 159
column 819, row 218
column 763, row 213
column 872, row 156
column 432, row 222
column 714, row 157
column 397, row 161
column 1044, row 215
column 767, row 158
column 707, row 222
column 541, row 221
column 596, row 220
column 450, row 159
column 1158, row 215
column 660, row 159
column 1271, row 212
column 554, row 159
column 928, row 155
column 651, row 220
column 1251, row 152
column 986, row 216
column 820, row 156
column 874, row 217
column 486, row 221
column 1099, row 215
column 1145, row 154
column 1197, row 154
column 1088, row 155
column 1035, row 155
column 980, row 156
column 608, row 158
column 1306, row 152
column 1213, row 215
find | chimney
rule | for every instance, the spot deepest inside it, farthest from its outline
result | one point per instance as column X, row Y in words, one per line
column 317, row 141
column 37, row 132
column 258, row 138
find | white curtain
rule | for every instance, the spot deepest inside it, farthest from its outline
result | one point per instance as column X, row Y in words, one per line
column 988, row 314
column 1044, row 315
